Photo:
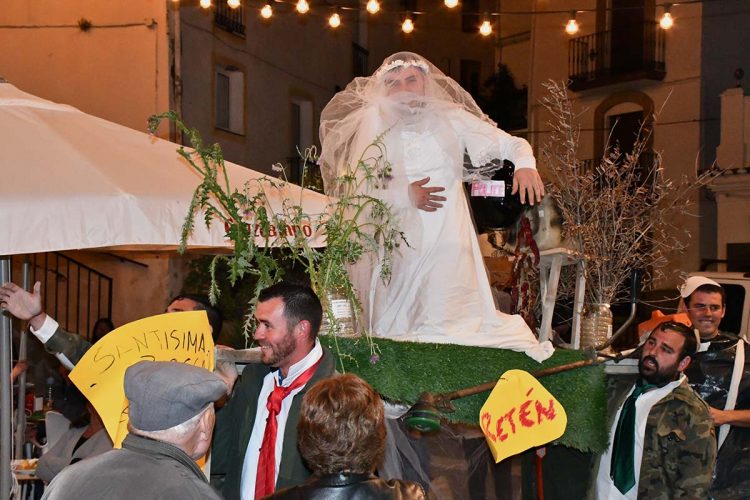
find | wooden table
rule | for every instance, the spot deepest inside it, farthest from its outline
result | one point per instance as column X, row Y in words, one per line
column 550, row 265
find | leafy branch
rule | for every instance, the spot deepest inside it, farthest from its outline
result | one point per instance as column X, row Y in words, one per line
column 354, row 223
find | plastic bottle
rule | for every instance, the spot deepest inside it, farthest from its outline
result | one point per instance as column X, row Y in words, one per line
column 596, row 325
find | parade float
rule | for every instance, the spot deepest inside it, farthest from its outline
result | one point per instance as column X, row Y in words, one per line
column 617, row 216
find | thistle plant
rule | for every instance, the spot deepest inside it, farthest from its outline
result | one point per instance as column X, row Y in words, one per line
column 354, row 224
column 620, row 214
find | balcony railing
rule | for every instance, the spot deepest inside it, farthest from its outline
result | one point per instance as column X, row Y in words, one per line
column 230, row 19
column 73, row 293
column 602, row 59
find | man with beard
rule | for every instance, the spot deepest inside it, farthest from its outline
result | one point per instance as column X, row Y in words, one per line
column 721, row 375
column 662, row 439
column 255, row 444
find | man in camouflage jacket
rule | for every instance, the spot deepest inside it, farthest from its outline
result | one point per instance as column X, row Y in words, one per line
column 679, row 448
column 675, row 457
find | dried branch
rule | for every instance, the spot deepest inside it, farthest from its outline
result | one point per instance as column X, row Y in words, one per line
column 619, row 214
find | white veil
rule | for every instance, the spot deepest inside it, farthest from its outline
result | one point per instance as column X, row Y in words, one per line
column 363, row 111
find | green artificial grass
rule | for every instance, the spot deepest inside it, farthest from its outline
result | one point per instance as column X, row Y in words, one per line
column 402, row 371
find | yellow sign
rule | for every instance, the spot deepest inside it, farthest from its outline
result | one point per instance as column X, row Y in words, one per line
column 100, row 374
column 520, row 414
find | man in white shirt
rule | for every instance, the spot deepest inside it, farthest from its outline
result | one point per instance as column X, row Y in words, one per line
column 255, row 442
column 662, row 440
column 720, row 373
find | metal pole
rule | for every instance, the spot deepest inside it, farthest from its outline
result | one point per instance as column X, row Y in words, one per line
column 5, row 388
column 21, row 399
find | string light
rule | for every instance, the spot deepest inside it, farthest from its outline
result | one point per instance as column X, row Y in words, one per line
column 335, row 20
column 571, row 28
column 666, row 21
column 302, row 6
column 408, row 25
column 373, row 6
column 486, row 28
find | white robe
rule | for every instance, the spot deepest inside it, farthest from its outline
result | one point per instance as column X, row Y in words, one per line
column 439, row 290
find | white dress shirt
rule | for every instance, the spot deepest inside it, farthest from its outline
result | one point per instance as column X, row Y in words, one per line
column 45, row 332
column 250, row 464
column 605, row 487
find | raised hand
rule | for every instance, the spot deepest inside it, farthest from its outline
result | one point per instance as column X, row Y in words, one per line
column 20, row 303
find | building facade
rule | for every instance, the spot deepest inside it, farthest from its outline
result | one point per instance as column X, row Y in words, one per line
column 257, row 86
column 622, row 68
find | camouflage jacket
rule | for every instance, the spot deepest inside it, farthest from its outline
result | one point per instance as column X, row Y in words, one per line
column 679, row 448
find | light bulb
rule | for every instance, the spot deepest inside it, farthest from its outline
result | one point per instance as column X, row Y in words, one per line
column 571, row 28
column 335, row 20
column 451, row 3
column 205, row 3
column 408, row 25
column 666, row 21
column 303, row 6
column 266, row 12
column 486, row 28
column 233, row 3
column 373, row 6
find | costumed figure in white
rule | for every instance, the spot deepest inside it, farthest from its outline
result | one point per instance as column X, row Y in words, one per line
column 439, row 290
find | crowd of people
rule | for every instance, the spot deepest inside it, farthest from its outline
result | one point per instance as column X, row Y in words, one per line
column 681, row 431
column 291, row 427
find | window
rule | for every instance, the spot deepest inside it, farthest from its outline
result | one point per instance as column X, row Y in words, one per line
column 735, row 300
column 302, row 136
column 738, row 257
column 409, row 5
column 230, row 100
column 470, row 16
column 359, row 60
column 470, row 76
column 230, row 19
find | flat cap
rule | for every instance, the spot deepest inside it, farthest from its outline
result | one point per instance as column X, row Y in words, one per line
column 163, row 394
column 694, row 282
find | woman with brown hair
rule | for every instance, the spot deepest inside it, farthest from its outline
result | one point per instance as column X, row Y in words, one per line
column 341, row 436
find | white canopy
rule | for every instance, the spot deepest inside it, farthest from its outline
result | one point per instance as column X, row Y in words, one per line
column 69, row 180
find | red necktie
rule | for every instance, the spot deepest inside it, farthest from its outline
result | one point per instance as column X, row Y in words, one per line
column 265, row 480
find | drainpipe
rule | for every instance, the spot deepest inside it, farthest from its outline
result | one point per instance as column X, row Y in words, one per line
column 5, row 390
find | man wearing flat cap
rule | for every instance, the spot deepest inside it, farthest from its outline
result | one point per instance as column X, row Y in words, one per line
column 720, row 374
column 171, row 410
column 255, row 447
